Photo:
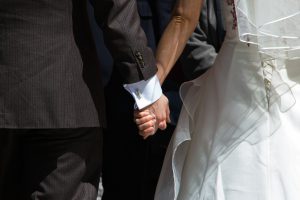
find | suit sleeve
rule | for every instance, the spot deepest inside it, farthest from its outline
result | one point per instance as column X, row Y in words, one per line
column 125, row 39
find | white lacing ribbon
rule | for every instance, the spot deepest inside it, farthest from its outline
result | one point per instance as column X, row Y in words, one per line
column 277, row 91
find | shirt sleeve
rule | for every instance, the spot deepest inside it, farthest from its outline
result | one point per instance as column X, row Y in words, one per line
column 145, row 92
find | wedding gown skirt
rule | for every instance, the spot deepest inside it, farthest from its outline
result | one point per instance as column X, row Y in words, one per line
column 232, row 142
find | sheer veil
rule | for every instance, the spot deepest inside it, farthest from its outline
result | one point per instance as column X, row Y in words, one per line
column 273, row 25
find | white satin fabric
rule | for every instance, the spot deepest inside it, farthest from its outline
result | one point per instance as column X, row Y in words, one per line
column 232, row 142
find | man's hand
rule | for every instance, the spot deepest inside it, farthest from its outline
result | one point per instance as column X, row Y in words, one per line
column 153, row 117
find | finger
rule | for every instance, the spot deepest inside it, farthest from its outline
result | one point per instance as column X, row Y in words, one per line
column 169, row 115
column 140, row 114
column 147, row 125
column 145, row 119
column 148, row 132
column 162, row 125
column 168, row 119
column 160, row 118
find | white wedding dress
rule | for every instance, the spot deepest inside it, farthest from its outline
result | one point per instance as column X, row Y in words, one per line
column 238, row 137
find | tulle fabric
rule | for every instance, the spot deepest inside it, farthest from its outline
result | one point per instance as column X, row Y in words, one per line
column 219, row 112
column 273, row 25
column 227, row 115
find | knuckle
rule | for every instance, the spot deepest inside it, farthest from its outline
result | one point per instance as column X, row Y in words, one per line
column 150, row 123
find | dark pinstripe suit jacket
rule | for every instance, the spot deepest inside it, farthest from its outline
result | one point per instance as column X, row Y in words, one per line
column 49, row 74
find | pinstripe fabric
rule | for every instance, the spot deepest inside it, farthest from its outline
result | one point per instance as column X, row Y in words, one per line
column 51, row 164
column 49, row 73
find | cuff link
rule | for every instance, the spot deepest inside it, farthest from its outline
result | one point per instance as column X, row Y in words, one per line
column 138, row 93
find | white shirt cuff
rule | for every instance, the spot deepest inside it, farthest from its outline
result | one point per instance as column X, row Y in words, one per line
column 145, row 92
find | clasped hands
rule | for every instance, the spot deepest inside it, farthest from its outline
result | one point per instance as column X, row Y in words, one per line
column 156, row 116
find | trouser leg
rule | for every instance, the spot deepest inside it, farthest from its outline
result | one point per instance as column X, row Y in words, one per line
column 57, row 164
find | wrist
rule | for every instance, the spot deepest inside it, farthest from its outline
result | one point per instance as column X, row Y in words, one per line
column 160, row 73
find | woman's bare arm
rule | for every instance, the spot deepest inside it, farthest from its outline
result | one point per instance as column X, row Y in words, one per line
column 183, row 22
